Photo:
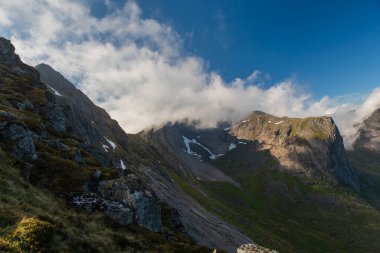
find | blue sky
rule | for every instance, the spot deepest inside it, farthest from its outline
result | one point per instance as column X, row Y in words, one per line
column 148, row 62
column 330, row 47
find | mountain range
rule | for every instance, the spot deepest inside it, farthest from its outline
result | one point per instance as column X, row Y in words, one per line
column 72, row 180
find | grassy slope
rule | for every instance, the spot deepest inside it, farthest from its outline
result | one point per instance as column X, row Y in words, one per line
column 287, row 213
column 32, row 218
column 368, row 165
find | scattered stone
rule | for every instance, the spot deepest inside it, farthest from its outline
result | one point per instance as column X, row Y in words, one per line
column 25, row 105
column 57, row 145
column 252, row 248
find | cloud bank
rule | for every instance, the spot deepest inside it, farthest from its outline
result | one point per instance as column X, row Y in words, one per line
column 136, row 69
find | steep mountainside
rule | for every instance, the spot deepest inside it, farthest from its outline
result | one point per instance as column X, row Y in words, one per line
column 48, row 166
column 205, row 228
column 282, row 181
column 365, row 156
column 89, row 122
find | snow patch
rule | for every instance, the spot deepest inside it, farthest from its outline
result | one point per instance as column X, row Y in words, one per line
column 188, row 150
column 226, row 129
column 242, row 142
column 232, row 146
column 277, row 123
column 113, row 145
column 54, row 90
column 105, row 147
column 122, row 165
column 92, row 122
column 269, row 121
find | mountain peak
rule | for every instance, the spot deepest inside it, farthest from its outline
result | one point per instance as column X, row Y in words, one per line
column 311, row 147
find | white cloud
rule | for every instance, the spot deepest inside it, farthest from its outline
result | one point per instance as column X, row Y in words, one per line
column 134, row 67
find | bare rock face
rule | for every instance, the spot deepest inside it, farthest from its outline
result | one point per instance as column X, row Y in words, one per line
column 86, row 121
column 9, row 58
column 143, row 202
column 310, row 147
column 253, row 248
column 369, row 133
column 19, row 136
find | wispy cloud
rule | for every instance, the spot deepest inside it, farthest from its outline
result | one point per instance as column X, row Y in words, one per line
column 136, row 69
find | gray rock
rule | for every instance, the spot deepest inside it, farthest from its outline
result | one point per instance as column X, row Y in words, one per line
column 253, row 248
column 25, row 105
column 116, row 210
column 120, row 213
column 25, row 149
column 78, row 158
column 59, row 121
column 146, row 206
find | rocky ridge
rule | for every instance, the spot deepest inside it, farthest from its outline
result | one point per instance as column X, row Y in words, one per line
column 310, row 147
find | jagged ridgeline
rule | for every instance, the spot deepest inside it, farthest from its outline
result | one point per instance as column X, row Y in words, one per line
column 71, row 180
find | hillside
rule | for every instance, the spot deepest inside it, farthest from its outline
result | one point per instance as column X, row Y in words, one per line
column 58, row 192
column 282, row 181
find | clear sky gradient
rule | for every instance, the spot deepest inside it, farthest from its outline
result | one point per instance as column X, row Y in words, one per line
column 330, row 47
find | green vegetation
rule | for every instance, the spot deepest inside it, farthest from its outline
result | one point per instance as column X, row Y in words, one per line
column 287, row 213
column 32, row 219
column 368, row 164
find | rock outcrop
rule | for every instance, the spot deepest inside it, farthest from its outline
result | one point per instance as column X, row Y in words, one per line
column 253, row 248
column 19, row 136
column 142, row 201
column 310, row 147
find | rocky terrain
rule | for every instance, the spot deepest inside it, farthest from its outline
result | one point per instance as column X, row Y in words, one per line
column 52, row 144
column 264, row 175
column 205, row 228
column 310, row 147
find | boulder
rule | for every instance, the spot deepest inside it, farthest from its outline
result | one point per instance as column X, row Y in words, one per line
column 253, row 248
column 128, row 189
column 24, row 149
column 25, row 105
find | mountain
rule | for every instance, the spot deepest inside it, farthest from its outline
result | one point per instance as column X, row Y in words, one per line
column 369, row 133
column 205, row 228
column 365, row 156
column 282, row 181
column 64, row 181
column 310, row 147
column 88, row 122
column 71, row 180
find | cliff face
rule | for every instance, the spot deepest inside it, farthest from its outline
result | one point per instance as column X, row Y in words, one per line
column 311, row 147
column 369, row 133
